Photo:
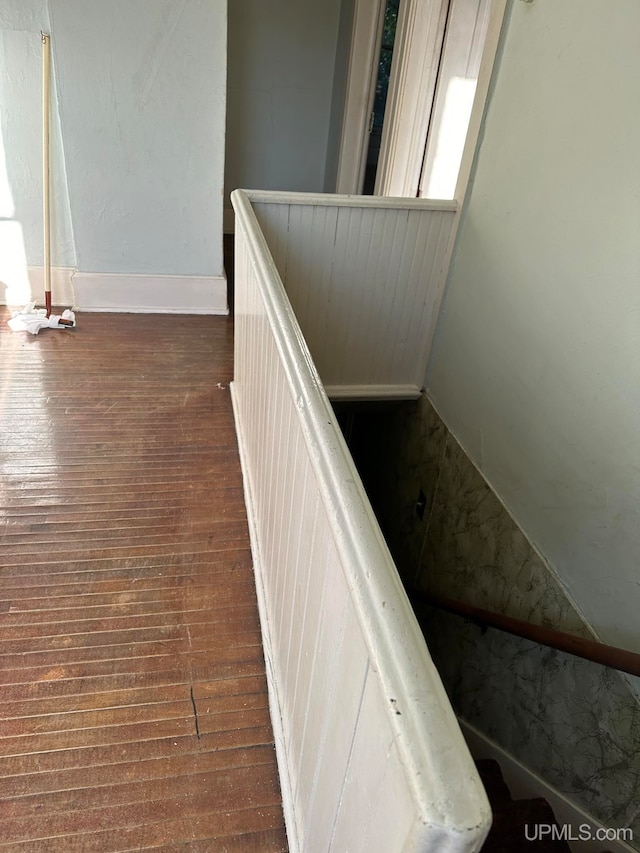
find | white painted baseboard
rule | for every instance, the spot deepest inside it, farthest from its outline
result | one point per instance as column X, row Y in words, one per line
column 21, row 289
column 61, row 285
column 150, row 294
column 147, row 294
column 524, row 784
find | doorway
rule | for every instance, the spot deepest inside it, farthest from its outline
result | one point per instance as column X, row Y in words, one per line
column 417, row 83
column 376, row 119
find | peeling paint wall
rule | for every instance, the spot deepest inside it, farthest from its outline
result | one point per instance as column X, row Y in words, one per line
column 138, row 123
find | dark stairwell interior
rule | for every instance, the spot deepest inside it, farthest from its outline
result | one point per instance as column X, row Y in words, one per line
column 449, row 534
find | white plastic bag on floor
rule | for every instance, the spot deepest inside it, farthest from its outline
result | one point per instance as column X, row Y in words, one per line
column 32, row 319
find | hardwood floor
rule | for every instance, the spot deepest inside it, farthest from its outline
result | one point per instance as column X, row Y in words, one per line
column 133, row 704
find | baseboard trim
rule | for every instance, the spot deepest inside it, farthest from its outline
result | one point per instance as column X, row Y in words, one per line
column 286, row 782
column 524, row 784
column 150, row 294
column 372, row 392
column 31, row 288
column 111, row 292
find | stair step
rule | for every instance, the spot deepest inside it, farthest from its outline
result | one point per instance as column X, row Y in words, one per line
column 493, row 781
column 522, row 825
column 517, row 824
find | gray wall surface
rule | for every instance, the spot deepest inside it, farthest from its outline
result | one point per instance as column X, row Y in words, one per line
column 282, row 56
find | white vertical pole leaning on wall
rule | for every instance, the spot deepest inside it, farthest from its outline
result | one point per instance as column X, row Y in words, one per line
column 46, row 88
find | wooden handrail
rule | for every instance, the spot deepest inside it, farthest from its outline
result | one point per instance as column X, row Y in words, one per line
column 590, row 650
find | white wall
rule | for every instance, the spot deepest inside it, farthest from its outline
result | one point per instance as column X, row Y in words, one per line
column 281, row 66
column 142, row 101
column 536, row 366
column 139, row 123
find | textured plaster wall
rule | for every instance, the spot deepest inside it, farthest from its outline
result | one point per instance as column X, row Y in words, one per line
column 536, row 365
column 142, row 104
column 138, row 122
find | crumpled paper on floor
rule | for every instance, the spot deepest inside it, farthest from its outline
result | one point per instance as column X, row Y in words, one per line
column 32, row 319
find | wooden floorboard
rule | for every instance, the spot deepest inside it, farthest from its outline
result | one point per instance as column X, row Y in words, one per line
column 133, row 705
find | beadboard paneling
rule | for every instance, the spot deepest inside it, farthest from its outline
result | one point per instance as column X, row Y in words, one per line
column 364, row 279
column 370, row 754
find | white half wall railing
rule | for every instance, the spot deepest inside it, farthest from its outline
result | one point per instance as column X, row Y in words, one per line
column 370, row 754
column 365, row 278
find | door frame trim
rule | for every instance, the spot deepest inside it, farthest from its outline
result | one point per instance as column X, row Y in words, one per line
column 366, row 36
column 412, row 89
column 414, row 72
column 497, row 20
